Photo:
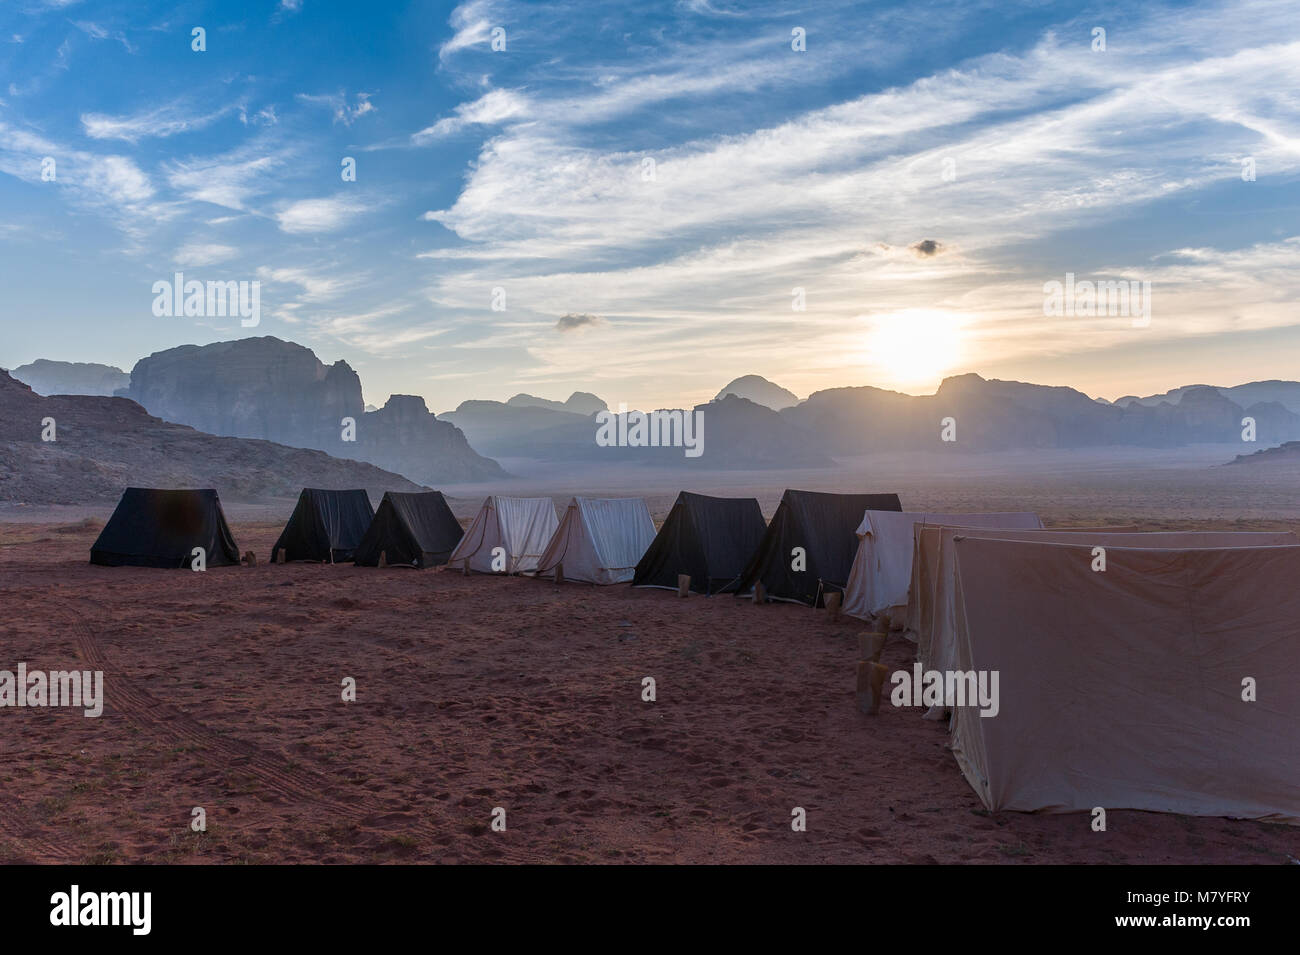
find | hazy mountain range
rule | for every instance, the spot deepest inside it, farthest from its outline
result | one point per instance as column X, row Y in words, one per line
column 102, row 445
column 279, row 391
column 47, row 377
column 760, row 391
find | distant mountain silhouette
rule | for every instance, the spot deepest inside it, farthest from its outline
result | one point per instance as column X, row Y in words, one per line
column 1285, row 458
column 737, row 433
column 71, row 377
column 102, row 445
column 280, row 391
column 760, row 391
column 991, row 415
column 1285, row 393
column 580, row 402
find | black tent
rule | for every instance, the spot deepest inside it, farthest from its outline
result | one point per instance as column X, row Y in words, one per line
column 325, row 526
column 709, row 538
column 161, row 528
column 418, row 530
column 825, row 526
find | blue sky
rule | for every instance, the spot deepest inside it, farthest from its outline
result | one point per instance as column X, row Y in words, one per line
column 995, row 130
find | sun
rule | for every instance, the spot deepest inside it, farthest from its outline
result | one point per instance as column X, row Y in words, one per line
column 913, row 347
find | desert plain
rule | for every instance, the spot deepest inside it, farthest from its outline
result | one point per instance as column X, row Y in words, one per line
column 477, row 694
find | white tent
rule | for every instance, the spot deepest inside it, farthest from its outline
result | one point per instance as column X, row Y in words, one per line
column 519, row 526
column 1126, row 688
column 937, row 648
column 600, row 540
column 882, row 569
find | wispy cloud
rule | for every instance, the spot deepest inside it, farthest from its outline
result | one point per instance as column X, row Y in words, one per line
column 97, row 32
column 472, row 23
column 320, row 215
column 559, row 215
column 339, row 107
column 232, row 180
column 490, row 109
column 317, row 286
column 197, row 254
column 162, row 122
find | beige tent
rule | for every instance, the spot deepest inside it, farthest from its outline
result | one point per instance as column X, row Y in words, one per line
column 599, row 540
column 507, row 535
column 882, row 567
column 1124, row 689
column 925, row 560
column 936, row 648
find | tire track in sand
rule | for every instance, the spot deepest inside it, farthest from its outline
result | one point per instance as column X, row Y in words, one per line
column 167, row 721
column 27, row 841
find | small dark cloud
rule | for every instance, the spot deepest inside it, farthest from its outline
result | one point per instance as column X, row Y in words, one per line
column 576, row 320
column 926, row 248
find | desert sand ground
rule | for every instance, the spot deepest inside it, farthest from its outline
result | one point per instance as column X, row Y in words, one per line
column 478, row 692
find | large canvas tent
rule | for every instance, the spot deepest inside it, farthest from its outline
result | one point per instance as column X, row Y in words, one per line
column 882, row 567
column 325, row 526
column 822, row 525
column 520, row 526
column 925, row 565
column 152, row 527
column 599, row 540
column 414, row 530
column 1125, row 688
column 937, row 648
column 709, row 538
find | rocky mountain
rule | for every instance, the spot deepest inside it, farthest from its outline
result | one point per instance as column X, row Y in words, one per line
column 1284, row 458
column 275, row 390
column 1285, row 393
column 404, row 436
column 737, row 433
column 502, row 429
column 280, row 391
column 760, row 391
column 998, row 415
column 102, row 445
column 71, row 377
column 580, row 403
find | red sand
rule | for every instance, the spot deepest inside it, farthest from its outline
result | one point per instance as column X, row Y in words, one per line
column 224, row 692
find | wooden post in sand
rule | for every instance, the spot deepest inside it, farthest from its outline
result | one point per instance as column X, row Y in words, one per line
column 862, row 691
column 871, row 672
column 871, row 645
column 683, row 585
column 278, row 557
column 878, row 674
column 559, row 572
column 464, row 569
column 250, row 558
column 833, row 602
column 760, row 592
column 383, row 558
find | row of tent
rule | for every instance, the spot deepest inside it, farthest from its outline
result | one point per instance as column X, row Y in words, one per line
column 1149, row 671
column 722, row 544
column 806, row 551
column 1154, row 671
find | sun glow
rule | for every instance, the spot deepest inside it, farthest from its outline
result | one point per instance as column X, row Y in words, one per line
column 913, row 348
